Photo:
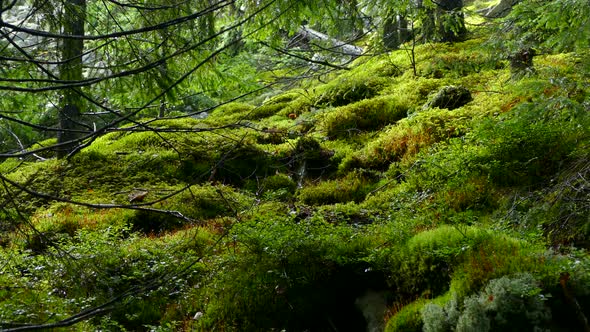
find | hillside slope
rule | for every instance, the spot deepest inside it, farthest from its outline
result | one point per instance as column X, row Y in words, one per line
column 330, row 207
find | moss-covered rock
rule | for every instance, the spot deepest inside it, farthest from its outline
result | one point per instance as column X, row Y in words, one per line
column 449, row 97
column 366, row 115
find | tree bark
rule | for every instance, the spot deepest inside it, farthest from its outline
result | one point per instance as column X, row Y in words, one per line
column 74, row 17
column 395, row 32
column 445, row 23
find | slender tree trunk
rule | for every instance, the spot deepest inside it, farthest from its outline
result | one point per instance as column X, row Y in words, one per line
column 395, row 31
column 450, row 21
column 444, row 23
column 74, row 17
column 235, row 36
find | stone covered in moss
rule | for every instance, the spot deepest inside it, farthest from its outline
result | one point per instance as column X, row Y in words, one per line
column 449, row 97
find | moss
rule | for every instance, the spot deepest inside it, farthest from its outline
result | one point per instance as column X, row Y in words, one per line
column 43, row 144
column 369, row 114
column 231, row 109
column 194, row 203
column 301, row 105
column 414, row 91
column 408, row 319
column 308, row 264
column 310, row 159
column 275, row 105
column 347, row 90
column 348, row 213
column 229, row 113
column 267, row 110
column 465, row 60
column 382, row 65
column 278, row 186
column 242, row 162
column 353, row 187
column 182, row 123
column 432, row 224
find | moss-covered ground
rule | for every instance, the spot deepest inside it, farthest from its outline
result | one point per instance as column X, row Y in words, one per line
column 284, row 213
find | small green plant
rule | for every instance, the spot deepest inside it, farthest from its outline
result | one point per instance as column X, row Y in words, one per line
column 506, row 304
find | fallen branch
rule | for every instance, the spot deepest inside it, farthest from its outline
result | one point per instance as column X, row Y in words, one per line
column 346, row 48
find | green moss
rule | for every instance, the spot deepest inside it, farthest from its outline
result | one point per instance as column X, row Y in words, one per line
column 457, row 198
column 408, row 319
column 353, row 187
column 182, row 123
column 43, row 144
column 275, row 105
column 457, row 60
column 369, row 114
column 278, row 186
column 229, row 113
column 347, row 90
column 231, row 109
column 301, row 105
column 290, row 274
column 310, row 159
column 404, row 140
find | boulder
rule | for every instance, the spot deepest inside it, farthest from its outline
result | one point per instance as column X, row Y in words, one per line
column 449, row 97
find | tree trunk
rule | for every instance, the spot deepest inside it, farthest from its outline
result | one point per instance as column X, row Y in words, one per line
column 235, row 43
column 522, row 61
column 74, row 17
column 395, row 32
column 445, row 23
column 450, row 21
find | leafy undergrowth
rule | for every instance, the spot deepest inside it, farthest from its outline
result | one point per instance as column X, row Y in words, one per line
column 332, row 206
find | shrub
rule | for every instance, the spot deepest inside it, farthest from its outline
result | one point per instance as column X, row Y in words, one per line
column 427, row 261
column 520, row 153
column 527, row 147
column 493, row 257
column 506, row 304
column 90, row 269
